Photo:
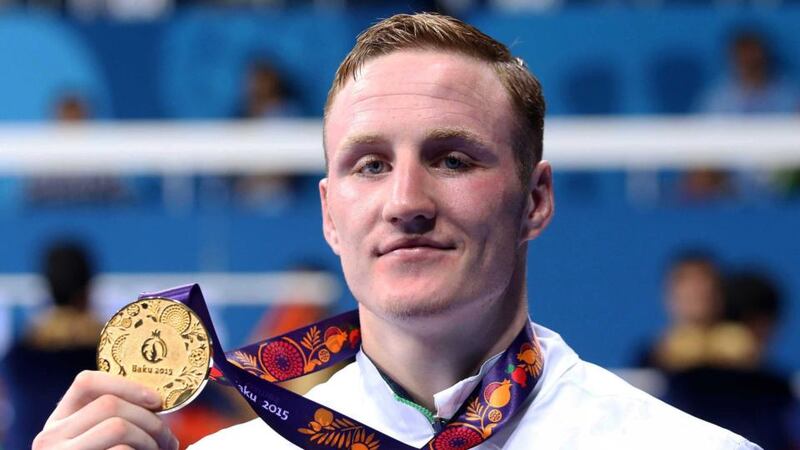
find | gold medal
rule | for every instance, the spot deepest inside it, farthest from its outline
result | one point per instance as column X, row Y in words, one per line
column 160, row 343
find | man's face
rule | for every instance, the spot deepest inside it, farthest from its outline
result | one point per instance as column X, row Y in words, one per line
column 693, row 296
column 750, row 61
column 422, row 201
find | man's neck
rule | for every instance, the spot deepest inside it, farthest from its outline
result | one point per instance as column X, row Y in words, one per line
column 427, row 355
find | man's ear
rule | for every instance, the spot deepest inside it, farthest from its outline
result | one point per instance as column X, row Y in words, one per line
column 540, row 203
column 328, row 227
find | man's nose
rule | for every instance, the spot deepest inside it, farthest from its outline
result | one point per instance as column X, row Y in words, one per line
column 410, row 204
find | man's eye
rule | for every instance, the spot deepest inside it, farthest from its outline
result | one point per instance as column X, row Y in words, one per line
column 453, row 162
column 372, row 167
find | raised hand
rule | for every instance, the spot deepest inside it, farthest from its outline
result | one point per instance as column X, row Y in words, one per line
column 102, row 411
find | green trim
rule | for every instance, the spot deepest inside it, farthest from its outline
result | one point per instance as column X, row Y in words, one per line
column 402, row 396
column 425, row 411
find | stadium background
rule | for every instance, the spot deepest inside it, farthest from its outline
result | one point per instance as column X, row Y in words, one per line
column 596, row 275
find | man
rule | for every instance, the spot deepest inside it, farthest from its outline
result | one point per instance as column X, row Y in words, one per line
column 754, row 83
column 435, row 184
column 63, row 339
column 694, row 303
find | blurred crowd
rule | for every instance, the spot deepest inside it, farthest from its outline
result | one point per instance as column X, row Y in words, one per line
column 715, row 350
column 62, row 341
column 754, row 83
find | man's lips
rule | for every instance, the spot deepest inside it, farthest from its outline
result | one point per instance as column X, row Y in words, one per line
column 412, row 243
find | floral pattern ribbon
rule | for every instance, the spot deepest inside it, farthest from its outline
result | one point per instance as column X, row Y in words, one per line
column 255, row 368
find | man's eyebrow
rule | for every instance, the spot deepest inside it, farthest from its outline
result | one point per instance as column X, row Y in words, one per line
column 462, row 135
column 459, row 134
column 362, row 139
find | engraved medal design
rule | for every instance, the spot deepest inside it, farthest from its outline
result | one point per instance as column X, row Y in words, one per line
column 160, row 343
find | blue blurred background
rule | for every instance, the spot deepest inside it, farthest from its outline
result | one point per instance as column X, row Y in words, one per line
column 592, row 59
column 597, row 275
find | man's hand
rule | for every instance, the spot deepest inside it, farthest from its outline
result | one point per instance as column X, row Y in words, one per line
column 103, row 411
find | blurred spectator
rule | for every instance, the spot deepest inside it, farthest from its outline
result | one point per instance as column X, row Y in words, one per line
column 753, row 300
column 71, row 108
column 714, row 348
column 265, row 93
column 63, row 341
column 732, row 387
column 706, row 184
column 755, row 84
column 693, row 300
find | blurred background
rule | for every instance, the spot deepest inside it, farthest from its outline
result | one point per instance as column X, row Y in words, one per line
column 150, row 143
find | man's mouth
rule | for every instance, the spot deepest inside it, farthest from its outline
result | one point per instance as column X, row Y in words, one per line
column 412, row 244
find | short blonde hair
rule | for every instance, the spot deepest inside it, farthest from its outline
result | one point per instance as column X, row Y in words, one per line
column 438, row 32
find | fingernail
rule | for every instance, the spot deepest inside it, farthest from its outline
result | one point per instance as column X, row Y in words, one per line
column 175, row 443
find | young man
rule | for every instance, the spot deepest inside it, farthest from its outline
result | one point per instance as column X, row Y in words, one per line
column 433, row 138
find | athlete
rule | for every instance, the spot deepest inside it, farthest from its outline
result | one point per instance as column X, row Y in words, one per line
column 435, row 185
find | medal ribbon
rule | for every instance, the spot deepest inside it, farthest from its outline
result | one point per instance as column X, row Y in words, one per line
column 255, row 368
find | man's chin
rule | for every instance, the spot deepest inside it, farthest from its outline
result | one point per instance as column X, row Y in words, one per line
column 411, row 307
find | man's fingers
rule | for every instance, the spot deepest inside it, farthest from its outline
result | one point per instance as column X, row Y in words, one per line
column 102, row 411
column 89, row 385
column 108, row 406
column 113, row 432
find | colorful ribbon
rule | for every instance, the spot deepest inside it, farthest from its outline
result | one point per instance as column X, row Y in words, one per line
column 255, row 368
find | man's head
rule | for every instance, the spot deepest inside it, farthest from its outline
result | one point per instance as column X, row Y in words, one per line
column 449, row 35
column 693, row 289
column 264, row 90
column 750, row 58
column 68, row 270
column 423, row 200
column 753, row 299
